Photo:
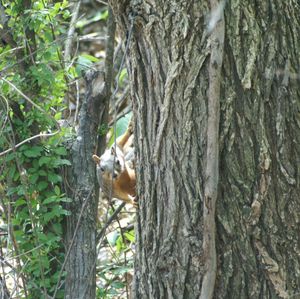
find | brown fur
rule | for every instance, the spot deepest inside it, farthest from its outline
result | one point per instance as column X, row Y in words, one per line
column 119, row 184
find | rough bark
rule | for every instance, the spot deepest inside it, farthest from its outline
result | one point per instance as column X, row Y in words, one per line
column 81, row 182
column 258, row 206
column 82, row 185
column 258, row 214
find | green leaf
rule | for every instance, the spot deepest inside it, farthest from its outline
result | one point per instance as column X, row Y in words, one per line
column 42, row 172
column 122, row 76
column 33, row 152
column 121, row 270
column 56, row 211
column 60, row 162
column 117, row 285
column 57, row 190
column 42, row 185
column 121, row 127
column 47, row 54
column 60, row 151
column 130, row 236
column 54, row 178
column 57, row 228
column 83, row 64
column 33, row 178
column 120, row 245
column 90, row 58
column 66, row 199
column 12, row 170
column 20, row 202
column 21, row 190
column 50, row 200
column 44, row 160
column 101, row 15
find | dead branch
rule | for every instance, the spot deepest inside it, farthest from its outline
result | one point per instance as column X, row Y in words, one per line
column 212, row 154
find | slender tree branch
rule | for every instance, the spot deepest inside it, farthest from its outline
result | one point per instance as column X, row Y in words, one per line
column 109, row 221
column 24, row 96
column 109, row 52
column 27, row 140
column 71, row 31
column 31, row 102
column 212, row 154
column 102, row 2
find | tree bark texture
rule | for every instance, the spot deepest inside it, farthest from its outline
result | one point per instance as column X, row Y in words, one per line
column 82, row 187
column 258, row 207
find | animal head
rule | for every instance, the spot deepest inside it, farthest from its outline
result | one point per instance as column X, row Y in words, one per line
column 111, row 163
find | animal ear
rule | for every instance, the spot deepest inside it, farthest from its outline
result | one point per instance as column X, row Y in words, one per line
column 96, row 159
column 113, row 151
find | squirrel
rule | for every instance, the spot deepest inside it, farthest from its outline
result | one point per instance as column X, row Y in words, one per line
column 115, row 171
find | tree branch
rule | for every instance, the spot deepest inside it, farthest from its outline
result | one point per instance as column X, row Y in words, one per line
column 109, row 221
column 212, row 153
column 69, row 39
column 27, row 140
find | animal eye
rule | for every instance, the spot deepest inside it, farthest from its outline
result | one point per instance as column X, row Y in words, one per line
column 118, row 162
column 102, row 169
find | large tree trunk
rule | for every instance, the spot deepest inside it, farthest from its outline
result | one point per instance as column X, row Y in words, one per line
column 258, row 196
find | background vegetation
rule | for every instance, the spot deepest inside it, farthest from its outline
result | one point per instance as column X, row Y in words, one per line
column 41, row 91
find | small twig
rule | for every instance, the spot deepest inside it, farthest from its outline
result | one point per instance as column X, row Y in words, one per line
column 4, row 260
column 102, row 2
column 24, row 96
column 31, row 102
column 91, row 37
column 11, row 50
column 77, row 103
column 37, row 107
column 71, row 31
column 122, row 98
column 109, row 51
column 117, row 49
column 27, row 140
column 109, row 221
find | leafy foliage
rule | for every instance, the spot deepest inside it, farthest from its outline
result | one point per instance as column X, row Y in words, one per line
column 115, row 275
column 30, row 179
column 34, row 82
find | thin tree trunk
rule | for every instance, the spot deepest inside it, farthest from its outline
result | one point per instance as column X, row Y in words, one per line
column 82, row 185
column 258, row 196
column 81, row 182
